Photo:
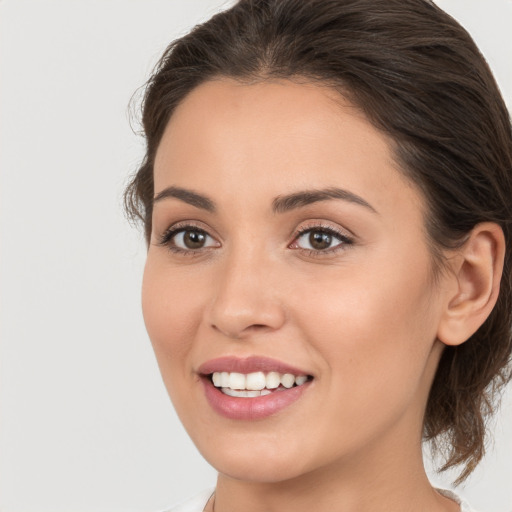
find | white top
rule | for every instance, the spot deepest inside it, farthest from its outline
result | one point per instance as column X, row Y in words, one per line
column 198, row 502
column 464, row 507
column 195, row 504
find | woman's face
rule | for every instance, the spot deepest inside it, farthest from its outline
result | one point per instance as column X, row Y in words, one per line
column 285, row 241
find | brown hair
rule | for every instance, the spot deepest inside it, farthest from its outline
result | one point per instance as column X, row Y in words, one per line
column 418, row 77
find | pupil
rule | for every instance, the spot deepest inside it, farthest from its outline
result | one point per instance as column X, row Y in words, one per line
column 320, row 240
column 194, row 239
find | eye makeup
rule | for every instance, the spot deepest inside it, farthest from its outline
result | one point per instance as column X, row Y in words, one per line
column 316, row 239
column 319, row 240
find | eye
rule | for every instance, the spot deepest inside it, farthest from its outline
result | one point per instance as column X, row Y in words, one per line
column 187, row 239
column 320, row 239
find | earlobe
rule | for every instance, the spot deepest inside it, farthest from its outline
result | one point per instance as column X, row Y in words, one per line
column 475, row 284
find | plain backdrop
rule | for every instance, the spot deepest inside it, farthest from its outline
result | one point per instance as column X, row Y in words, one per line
column 86, row 424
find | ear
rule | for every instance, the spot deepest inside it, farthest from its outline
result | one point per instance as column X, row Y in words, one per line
column 474, row 284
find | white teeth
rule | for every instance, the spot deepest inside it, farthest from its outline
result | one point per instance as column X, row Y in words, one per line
column 253, row 393
column 300, row 379
column 236, row 381
column 256, row 383
column 273, row 380
column 232, row 392
column 240, row 393
column 288, row 380
column 217, row 379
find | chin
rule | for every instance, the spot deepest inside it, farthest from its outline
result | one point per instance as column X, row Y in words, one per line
column 257, row 471
column 257, row 462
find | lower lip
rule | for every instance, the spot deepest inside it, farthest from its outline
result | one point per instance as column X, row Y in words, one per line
column 237, row 408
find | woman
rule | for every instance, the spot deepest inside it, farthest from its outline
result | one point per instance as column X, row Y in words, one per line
column 326, row 200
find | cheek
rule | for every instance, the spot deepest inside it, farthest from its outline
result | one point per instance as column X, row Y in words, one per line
column 171, row 310
column 363, row 306
column 375, row 338
column 375, row 328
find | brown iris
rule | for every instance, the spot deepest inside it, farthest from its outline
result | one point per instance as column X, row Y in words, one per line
column 319, row 240
column 194, row 239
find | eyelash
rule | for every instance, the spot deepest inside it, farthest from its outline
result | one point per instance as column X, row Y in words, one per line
column 344, row 240
column 166, row 239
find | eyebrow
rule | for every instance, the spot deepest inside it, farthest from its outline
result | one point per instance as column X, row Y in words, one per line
column 303, row 198
column 187, row 196
column 280, row 204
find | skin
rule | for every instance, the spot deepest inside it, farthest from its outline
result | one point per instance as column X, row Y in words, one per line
column 364, row 319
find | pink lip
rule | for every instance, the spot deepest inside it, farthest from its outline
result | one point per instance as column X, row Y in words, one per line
column 248, row 365
column 260, row 407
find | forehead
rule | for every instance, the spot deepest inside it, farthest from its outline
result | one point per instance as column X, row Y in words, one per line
column 278, row 135
column 286, row 110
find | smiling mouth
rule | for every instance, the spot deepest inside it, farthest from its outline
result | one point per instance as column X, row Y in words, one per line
column 255, row 384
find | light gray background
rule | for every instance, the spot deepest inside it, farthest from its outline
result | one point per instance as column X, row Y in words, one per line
column 85, row 422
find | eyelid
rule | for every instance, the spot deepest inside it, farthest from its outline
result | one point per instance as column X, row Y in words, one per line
column 324, row 225
column 188, row 224
column 345, row 237
column 164, row 239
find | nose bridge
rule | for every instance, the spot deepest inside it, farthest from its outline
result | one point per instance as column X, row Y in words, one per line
column 245, row 297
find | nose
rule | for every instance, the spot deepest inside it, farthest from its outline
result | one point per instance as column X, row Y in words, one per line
column 245, row 299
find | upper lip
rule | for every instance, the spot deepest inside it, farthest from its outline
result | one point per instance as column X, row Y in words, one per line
column 248, row 365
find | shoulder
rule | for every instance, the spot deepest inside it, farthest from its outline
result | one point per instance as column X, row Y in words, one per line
column 195, row 504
